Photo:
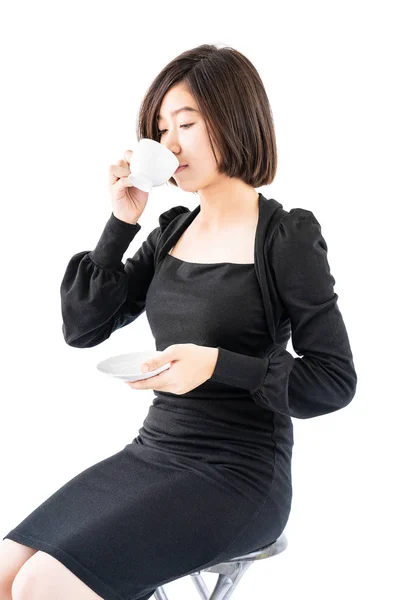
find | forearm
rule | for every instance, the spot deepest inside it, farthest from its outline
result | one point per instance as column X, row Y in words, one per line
column 212, row 359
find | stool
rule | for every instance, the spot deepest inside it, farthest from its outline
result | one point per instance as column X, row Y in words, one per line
column 230, row 572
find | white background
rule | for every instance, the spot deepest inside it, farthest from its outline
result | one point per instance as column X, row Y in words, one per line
column 73, row 75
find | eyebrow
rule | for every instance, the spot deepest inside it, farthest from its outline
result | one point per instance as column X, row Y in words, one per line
column 175, row 112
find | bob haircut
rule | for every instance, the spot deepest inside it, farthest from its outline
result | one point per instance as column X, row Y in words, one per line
column 233, row 103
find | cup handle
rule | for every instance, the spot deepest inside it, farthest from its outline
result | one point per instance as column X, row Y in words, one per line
column 141, row 181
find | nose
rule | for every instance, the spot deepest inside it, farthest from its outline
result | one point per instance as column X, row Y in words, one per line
column 172, row 145
column 170, row 139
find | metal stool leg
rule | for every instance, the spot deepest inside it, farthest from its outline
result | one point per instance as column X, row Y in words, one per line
column 159, row 594
column 200, row 585
column 224, row 587
column 229, row 572
column 227, row 581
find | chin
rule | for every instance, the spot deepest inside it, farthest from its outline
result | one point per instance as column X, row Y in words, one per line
column 186, row 187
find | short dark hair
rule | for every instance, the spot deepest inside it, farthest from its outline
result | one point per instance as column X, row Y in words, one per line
column 233, row 103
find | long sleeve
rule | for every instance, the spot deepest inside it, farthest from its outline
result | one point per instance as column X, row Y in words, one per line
column 323, row 379
column 100, row 294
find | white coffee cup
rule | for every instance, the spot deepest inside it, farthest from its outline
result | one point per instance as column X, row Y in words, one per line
column 152, row 165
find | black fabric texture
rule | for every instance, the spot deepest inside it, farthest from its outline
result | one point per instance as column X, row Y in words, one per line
column 207, row 477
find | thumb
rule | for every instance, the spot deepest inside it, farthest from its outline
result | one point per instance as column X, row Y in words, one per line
column 128, row 156
column 162, row 359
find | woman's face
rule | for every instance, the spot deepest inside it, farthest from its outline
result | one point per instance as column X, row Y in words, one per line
column 186, row 136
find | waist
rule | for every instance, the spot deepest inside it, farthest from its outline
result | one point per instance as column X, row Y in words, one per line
column 217, row 426
column 238, row 416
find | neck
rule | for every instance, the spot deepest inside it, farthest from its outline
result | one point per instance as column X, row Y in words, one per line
column 231, row 205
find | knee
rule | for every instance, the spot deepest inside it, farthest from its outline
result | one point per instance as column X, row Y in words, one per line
column 5, row 588
column 23, row 587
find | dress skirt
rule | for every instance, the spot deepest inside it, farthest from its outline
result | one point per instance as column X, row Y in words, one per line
column 207, row 478
column 140, row 519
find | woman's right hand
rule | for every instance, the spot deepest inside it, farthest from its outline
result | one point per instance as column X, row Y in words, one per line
column 128, row 201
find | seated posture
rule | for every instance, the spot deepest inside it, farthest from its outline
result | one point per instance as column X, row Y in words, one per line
column 207, row 477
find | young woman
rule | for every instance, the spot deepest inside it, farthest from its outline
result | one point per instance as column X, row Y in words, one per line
column 208, row 476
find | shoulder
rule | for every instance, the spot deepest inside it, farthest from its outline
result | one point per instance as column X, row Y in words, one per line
column 297, row 225
column 297, row 240
column 169, row 215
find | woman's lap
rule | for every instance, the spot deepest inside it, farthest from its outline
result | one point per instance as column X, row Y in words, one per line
column 139, row 519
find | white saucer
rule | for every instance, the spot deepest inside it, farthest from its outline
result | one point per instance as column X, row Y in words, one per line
column 127, row 366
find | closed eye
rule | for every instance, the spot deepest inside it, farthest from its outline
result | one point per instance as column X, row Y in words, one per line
column 184, row 126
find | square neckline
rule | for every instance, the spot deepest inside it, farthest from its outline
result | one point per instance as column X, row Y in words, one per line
column 218, row 263
column 186, row 262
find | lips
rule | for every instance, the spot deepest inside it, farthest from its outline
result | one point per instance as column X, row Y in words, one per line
column 180, row 168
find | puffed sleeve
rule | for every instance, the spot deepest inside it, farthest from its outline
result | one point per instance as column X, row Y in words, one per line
column 99, row 293
column 323, row 379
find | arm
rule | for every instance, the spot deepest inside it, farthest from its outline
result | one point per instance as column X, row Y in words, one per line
column 323, row 379
column 98, row 293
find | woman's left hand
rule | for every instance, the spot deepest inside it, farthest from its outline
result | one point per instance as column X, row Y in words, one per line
column 191, row 365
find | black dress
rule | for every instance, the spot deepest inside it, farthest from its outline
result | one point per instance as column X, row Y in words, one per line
column 207, row 478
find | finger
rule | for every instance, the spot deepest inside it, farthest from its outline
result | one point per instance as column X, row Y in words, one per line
column 159, row 361
column 117, row 171
column 150, row 383
column 128, row 156
column 141, row 384
column 121, row 183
